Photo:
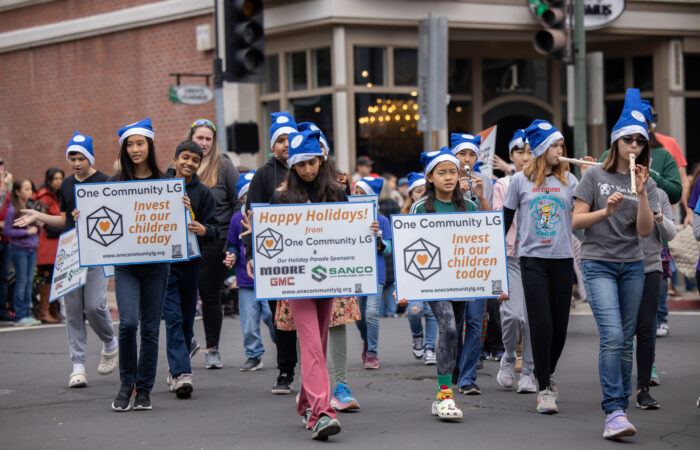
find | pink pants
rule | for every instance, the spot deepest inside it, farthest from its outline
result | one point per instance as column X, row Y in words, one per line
column 312, row 317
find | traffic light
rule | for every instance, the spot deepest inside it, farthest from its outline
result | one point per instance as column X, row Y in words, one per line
column 243, row 137
column 555, row 38
column 245, row 44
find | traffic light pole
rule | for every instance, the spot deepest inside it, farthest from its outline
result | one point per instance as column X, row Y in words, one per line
column 219, row 88
column 580, row 130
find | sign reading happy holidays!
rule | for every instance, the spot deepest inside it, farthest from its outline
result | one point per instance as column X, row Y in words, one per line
column 449, row 256
column 131, row 222
column 317, row 250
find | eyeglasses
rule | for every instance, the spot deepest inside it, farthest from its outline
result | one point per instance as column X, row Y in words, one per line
column 640, row 141
column 201, row 122
column 2, row 162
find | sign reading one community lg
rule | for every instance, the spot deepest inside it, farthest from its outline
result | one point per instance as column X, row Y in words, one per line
column 67, row 273
column 315, row 250
column 131, row 222
column 449, row 256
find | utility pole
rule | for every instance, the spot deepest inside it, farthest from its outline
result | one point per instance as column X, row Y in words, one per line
column 219, row 88
column 580, row 130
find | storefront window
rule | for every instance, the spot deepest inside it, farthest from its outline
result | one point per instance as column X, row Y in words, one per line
column 515, row 76
column 405, row 66
column 459, row 117
column 643, row 72
column 385, row 129
column 272, row 74
column 296, row 64
column 692, row 69
column 322, row 67
column 317, row 109
column 459, row 76
column 369, row 66
column 614, row 74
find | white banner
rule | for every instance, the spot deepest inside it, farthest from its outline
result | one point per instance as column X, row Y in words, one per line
column 131, row 222
column 366, row 198
column 450, row 256
column 314, row 250
column 488, row 149
column 67, row 273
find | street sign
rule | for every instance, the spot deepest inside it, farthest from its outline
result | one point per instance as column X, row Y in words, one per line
column 191, row 94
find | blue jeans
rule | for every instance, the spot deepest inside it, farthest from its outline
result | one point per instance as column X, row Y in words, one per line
column 5, row 259
column 471, row 349
column 614, row 291
column 252, row 313
column 140, row 290
column 388, row 303
column 25, row 263
column 369, row 323
column 179, row 310
column 415, row 312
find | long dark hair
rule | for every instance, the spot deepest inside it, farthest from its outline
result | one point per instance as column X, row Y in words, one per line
column 128, row 169
column 14, row 198
column 653, row 140
column 457, row 198
column 325, row 186
column 48, row 178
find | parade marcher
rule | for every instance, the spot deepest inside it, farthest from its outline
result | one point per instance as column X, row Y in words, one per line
column 181, row 295
column 262, row 187
column 48, row 243
column 369, row 305
column 363, row 166
column 614, row 204
column 90, row 300
column 140, row 288
column 250, row 310
column 515, row 323
column 542, row 196
column 218, row 174
column 5, row 249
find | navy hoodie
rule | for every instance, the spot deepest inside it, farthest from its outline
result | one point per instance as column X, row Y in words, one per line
column 203, row 206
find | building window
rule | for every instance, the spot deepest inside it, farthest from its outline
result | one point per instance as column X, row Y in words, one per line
column 317, row 109
column 296, row 64
column 369, row 66
column 692, row 119
column 515, row 76
column 643, row 72
column 459, row 117
column 459, row 76
column 692, row 69
column 614, row 76
column 272, row 74
column 405, row 67
column 322, row 68
column 385, row 128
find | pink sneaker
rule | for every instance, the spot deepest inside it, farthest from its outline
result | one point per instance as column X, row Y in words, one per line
column 364, row 352
column 371, row 362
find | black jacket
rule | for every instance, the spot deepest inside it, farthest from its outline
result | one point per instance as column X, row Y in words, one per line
column 203, row 206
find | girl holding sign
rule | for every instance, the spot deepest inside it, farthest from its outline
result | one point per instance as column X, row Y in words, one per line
column 443, row 194
column 614, row 204
column 140, row 288
column 542, row 195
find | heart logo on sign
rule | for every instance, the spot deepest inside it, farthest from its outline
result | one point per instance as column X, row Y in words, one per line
column 104, row 226
column 422, row 259
column 269, row 242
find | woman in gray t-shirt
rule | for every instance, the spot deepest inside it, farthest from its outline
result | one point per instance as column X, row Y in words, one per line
column 615, row 216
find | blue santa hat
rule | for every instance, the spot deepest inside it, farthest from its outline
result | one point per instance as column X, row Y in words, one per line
column 303, row 146
column 371, row 185
column 432, row 159
column 415, row 180
column 321, row 138
column 141, row 128
column 631, row 121
column 282, row 123
column 81, row 143
column 634, row 97
column 518, row 141
column 244, row 183
column 460, row 142
column 541, row 135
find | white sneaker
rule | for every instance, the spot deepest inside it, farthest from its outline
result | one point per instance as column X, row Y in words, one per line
column 662, row 330
column 553, row 387
column 417, row 342
column 429, row 356
column 546, row 404
column 506, row 374
column 526, row 384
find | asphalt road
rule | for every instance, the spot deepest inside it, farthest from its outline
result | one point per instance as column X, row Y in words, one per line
column 234, row 410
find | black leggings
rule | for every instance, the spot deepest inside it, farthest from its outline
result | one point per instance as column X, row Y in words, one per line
column 212, row 274
column 646, row 327
column 286, row 343
column 548, row 284
column 494, row 332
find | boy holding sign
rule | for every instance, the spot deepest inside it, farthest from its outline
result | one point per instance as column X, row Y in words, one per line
column 181, row 296
column 90, row 300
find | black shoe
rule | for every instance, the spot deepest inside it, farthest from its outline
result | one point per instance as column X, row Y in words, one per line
column 252, row 364
column 283, row 385
column 194, row 348
column 122, row 402
column 142, row 401
column 645, row 400
column 470, row 389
